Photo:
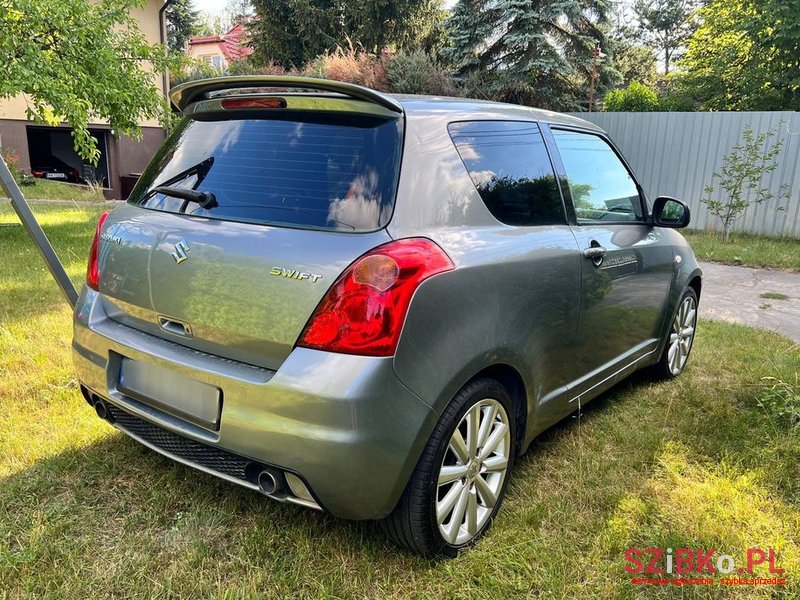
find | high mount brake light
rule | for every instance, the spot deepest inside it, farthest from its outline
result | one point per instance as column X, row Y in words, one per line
column 93, row 268
column 364, row 311
column 238, row 103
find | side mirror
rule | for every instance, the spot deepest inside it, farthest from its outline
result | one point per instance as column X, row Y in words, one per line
column 670, row 212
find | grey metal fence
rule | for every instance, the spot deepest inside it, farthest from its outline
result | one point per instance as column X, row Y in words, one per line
column 675, row 154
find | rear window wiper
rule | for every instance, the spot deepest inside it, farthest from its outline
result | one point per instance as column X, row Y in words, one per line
column 204, row 199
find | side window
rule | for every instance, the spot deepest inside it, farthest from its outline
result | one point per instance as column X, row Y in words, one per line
column 600, row 185
column 509, row 164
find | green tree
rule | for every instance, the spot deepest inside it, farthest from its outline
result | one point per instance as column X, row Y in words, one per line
column 293, row 32
column 81, row 60
column 211, row 24
column 377, row 24
column 238, row 11
column 634, row 98
column 219, row 23
column 744, row 56
column 741, row 178
column 470, row 24
column 673, row 94
column 633, row 61
column 182, row 23
column 666, row 25
column 537, row 53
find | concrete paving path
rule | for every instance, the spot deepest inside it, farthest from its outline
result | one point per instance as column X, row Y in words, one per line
column 734, row 294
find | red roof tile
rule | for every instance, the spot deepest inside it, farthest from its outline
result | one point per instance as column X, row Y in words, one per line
column 205, row 39
column 230, row 44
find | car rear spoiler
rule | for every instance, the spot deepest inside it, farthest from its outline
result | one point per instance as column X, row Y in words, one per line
column 186, row 93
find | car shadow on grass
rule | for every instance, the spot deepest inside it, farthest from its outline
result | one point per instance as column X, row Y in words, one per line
column 116, row 482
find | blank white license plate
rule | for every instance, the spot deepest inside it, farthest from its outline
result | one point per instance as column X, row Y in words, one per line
column 55, row 176
column 172, row 392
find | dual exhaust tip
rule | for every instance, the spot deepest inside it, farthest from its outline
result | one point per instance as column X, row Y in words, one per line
column 267, row 480
column 100, row 406
column 102, row 411
column 270, row 481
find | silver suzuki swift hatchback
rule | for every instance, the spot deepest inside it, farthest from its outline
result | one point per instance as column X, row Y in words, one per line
column 371, row 304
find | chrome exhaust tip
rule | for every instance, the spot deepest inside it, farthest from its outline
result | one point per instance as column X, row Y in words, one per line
column 102, row 410
column 87, row 395
column 267, row 482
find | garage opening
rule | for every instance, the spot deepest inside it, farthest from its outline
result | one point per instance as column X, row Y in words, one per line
column 53, row 157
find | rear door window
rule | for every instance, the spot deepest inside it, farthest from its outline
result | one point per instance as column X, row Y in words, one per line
column 322, row 171
column 509, row 164
column 601, row 187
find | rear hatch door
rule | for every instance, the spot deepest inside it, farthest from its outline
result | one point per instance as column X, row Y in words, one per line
column 297, row 198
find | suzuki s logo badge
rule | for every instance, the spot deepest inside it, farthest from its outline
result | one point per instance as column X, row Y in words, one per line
column 181, row 251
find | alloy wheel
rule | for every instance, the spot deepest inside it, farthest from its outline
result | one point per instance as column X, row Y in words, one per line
column 682, row 335
column 472, row 473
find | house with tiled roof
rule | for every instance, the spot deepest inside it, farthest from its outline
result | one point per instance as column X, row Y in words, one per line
column 220, row 50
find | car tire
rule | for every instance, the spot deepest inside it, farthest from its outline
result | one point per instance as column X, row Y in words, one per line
column 680, row 338
column 483, row 406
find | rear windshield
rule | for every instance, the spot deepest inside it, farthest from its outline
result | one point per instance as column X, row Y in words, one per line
column 323, row 172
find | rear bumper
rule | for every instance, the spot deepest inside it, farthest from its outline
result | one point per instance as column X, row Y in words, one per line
column 343, row 423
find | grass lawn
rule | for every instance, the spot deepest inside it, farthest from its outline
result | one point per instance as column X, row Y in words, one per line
column 87, row 513
column 54, row 190
column 746, row 250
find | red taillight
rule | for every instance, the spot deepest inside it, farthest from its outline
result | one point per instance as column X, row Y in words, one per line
column 93, row 268
column 364, row 310
column 36, row 173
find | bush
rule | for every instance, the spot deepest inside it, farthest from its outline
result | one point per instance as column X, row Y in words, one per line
column 634, row 98
column 418, row 73
column 192, row 70
column 675, row 102
column 674, row 95
column 246, row 67
column 351, row 66
column 781, row 400
column 402, row 73
column 11, row 159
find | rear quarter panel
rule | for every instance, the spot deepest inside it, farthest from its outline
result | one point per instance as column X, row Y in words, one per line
column 512, row 299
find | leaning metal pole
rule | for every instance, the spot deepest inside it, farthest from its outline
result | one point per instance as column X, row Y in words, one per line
column 34, row 230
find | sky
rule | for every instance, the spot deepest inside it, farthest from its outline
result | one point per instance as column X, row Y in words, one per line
column 217, row 6
column 209, row 6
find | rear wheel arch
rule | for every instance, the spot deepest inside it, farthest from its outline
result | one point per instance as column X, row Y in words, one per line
column 696, row 283
column 512, row 381
column 693, row 281
column 416, row 522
